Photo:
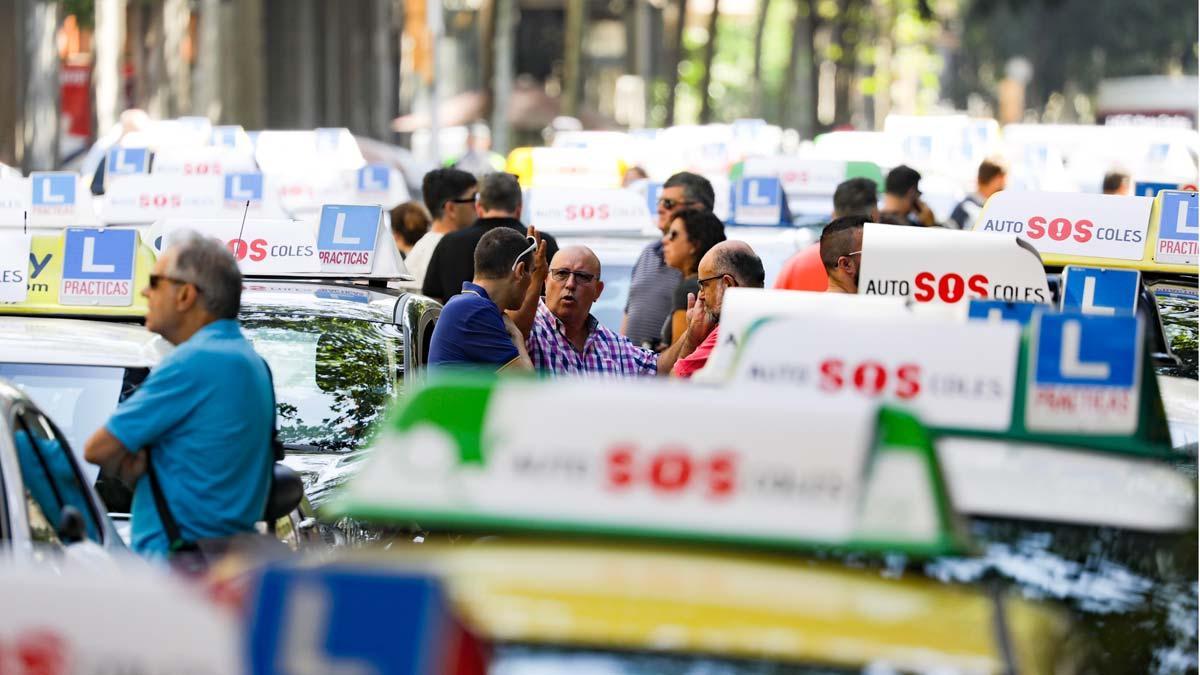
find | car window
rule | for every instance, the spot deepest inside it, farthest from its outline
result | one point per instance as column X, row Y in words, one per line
column 50, row 476
column 333, row 377
column 609, row 309
column 78, row 398
column 1179, row 318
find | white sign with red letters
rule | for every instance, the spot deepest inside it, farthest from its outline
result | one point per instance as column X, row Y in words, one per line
column 203, row 161
column 556, row 210
column 262, row 247
column 1074, row 224
column 937, row 266
column 935, row 366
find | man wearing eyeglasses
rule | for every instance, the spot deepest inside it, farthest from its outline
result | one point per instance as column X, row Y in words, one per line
column 563, row 338
column 653, row 282
column 449, row 195
column 473, row 329
column 204, row 415
column 841, row 253
column 727, row 265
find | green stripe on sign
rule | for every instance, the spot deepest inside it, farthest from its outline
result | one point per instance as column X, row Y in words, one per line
column 456, row 404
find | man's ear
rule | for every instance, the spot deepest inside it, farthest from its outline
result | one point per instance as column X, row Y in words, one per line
column 521, row 269
column 187, row 298
column 599, row 288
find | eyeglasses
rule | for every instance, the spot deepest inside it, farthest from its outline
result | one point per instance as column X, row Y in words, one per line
column 156, row 279
column 529, row 249
column 670, row 204
column 714, row 277
column 466, row 200
column 561, row 275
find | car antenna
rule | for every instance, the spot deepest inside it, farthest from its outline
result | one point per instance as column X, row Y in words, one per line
column 245, row 212
column 25, row 220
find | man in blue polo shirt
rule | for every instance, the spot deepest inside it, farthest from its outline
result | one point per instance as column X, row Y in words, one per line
column 473, row 330
column 203, row 418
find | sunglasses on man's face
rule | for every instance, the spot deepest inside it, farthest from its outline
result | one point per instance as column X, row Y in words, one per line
column 466, row 200
column 561, row 275
column 156, row 279
column 670, row 204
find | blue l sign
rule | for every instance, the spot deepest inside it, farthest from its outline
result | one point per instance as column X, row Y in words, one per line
column 53, row 189
column 348, row 622
column 759, row 192
column 127, row 161
column 1105, row 292
column 373, row 178
column 226, row 136
column 1002, row 310
column 653, row 190
column 99, row 254
column 241, row 187
column 348, row 228
column 1180, row 216
column 1090, row 351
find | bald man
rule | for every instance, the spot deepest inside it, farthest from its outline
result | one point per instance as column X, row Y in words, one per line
column 565, row 339
column 728, row 264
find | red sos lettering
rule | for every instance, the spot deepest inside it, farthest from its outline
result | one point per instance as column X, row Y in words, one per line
column 587, row 212
column 201, row 169
column 871, row 378
column 950, row 288
column 1059, row 229
column 671, row 470
column 160, row 201
column 257, row 249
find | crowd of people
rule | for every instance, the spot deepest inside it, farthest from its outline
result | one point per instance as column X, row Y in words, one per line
column 515, row 301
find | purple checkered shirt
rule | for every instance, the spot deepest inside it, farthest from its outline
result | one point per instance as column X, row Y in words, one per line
column 605, row 353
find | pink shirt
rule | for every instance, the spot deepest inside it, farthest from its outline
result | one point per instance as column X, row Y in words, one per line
column 687, row 366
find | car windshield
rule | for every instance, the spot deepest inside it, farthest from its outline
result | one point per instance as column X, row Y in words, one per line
column 521, row 659
column 78, row 398
column 333, row 377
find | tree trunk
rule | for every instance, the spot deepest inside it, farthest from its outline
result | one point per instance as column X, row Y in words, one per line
column 674, row 57
column 710, row 52
column 799, row 20
column 573, row 58
column 106, row 70
column 502, row 82
column 40, row 83
column 843, row 81
column 760, row 25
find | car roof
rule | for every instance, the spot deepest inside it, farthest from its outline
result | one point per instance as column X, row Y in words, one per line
column 335, row 299
column 79, row 342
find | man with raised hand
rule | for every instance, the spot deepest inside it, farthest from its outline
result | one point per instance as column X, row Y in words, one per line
column 473, row 329
column 200, row 425
column 563, row 338
column 729, row 264
column 841, row 252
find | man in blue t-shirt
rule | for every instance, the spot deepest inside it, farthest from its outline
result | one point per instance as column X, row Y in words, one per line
column 203, row 418
column 473, row 329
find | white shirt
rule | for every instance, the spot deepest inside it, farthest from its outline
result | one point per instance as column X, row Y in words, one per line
column 417, row 260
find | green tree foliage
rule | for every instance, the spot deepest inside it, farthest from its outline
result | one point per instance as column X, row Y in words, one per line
column 1076, row 42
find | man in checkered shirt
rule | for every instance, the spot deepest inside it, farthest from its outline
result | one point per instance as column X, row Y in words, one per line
column 563, row 337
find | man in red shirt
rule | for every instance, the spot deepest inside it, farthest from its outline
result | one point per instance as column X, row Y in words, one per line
column 729, row 263
column 804, row 271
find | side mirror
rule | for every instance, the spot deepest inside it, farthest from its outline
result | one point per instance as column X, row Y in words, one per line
column 71, row 527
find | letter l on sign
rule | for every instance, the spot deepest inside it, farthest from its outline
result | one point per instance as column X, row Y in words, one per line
column 89, row 263
column 755, row 197
column 1089, row 302
column 339, row 232
column 48, row 196
column 1072, row 338
column 1181, row 220
column 238, row 191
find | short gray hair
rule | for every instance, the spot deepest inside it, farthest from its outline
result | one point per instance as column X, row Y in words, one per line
column 500, row 192
column 208, row 264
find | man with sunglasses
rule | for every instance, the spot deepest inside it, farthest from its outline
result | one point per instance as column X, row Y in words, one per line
column 729, row 264
column 473, row 330
column 449, row 195
column 841, row 253
column 563, row 338
column 203, row 417
column 453, row 260
column 653, row 282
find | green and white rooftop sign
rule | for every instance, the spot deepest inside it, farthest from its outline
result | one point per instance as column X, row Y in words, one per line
column 656, row 459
